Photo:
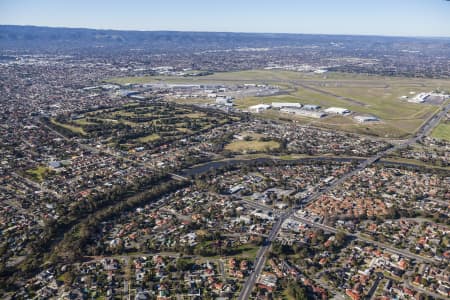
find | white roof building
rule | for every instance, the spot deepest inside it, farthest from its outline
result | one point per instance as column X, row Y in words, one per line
column 364, row 119
column 337, row 110
column 303, row 112
column 419, row 98
column 423, row 97
column 285, row 104
column 311, row 107
column 259, row 108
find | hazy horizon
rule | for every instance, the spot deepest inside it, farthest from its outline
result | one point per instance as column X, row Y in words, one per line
column 402, row 18
column 237, row 32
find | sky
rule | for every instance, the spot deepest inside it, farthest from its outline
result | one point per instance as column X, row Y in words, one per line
column 361, row 17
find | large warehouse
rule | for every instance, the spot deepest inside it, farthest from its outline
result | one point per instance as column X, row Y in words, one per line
column 337, row 110
column 304, row 113
column 364, row 119
column 285, row 104
column 259, row 108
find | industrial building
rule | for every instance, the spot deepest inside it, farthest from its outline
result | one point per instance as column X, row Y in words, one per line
column 337, row 111
column 285, row 104
column 304, row 113
column 311, row 107
column 259, row 108
column 365, row 119
column 428, row 97
column 224, row 100
column 419, row 98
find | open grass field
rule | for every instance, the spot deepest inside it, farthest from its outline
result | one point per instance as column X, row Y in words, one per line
column 72, row 128
column 39, row 173
column 360, row 93
column 149, row 138
column 83, row 122
column 442, row 131
column 415, row 162
column 251, row 146
column 251, row 142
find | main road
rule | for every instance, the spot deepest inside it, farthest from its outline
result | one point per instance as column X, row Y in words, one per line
column 327, row 228
column 262, row 253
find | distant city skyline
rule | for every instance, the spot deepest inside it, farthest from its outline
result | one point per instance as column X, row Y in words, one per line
column 354, row 17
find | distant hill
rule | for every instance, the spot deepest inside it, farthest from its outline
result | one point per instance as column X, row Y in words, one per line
column 46, row 38
column 225, row 51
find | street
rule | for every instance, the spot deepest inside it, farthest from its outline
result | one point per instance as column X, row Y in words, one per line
column 260, row 261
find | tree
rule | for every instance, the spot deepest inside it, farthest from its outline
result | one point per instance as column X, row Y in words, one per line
column 68, row 278
column 183, row 264
column 296, row 291
column 340, row 238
